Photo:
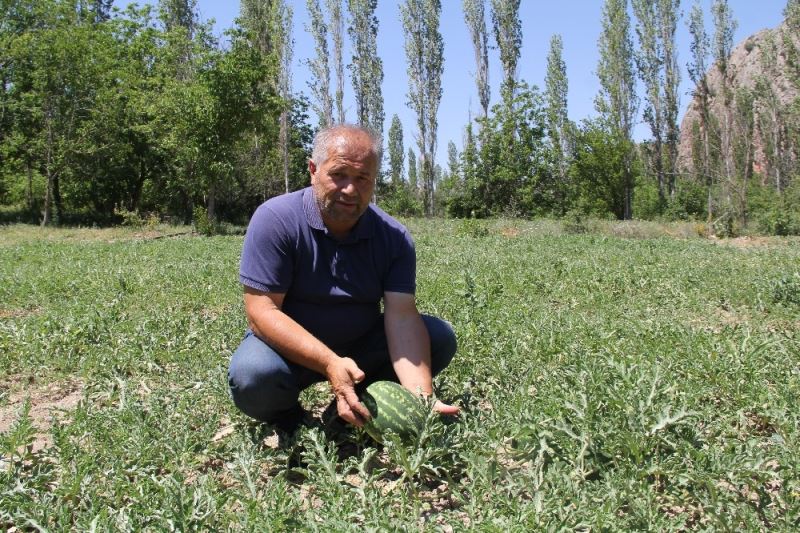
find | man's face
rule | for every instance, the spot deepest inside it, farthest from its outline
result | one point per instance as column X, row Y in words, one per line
column 344, row 183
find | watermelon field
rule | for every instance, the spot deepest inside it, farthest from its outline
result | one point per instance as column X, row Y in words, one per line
column 611, row 377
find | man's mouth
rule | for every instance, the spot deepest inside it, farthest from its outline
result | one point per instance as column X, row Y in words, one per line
column 347, row 204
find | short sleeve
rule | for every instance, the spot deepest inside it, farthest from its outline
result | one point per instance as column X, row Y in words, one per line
column 267, row 259
column 402, row 274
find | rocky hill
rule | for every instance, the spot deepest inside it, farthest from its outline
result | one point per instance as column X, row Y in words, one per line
column 746, row 67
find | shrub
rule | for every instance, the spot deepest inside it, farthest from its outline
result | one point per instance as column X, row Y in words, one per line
column 779, row 222
column 132, row 219
column 725, row 226
column 202, row 224
column 787, row 290
column 575, row 222
column 401, row 201
column 471, row 227
column 646, row 205
column 775, row 214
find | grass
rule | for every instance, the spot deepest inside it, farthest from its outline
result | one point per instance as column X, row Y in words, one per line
column 617, row 377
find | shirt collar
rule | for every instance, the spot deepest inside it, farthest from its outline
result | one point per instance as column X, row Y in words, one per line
column 364, row 228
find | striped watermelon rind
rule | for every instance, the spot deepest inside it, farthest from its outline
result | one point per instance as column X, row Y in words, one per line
column 393, row 408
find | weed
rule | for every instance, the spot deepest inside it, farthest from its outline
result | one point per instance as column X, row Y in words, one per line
column 16, row 443
column 473, row 227
column 575, row 222
column 202, row 224
column 786, row 290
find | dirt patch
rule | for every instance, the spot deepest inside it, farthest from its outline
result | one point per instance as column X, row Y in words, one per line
column 151, row 235
column 18, row 313
column 719, row 319
column 46, row 402
column 744, row 242
column 21, row 233
column 509, row 231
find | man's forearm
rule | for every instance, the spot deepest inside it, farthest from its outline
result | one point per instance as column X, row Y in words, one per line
column 296, row 344
column 291, row 340
column 409, row 348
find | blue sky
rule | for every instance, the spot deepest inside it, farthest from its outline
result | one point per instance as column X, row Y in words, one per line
column 577, row 21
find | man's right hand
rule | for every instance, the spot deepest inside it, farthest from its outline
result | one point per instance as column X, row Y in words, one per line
column 343, row 374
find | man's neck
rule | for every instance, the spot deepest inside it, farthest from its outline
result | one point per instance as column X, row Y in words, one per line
column 338, row 231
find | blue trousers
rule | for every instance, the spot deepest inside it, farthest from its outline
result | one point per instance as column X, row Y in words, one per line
column 265, row 386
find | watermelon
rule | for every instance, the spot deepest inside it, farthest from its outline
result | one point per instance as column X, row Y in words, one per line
column 393, row 408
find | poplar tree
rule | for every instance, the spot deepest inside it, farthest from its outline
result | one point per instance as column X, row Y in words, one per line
column 453, row 166
column 185, row 49
column 469, row 164
column 396, row 151
column 98, row 10
column 724, row 28
column 791, row 15
column 656, row 63
column 742, row 148
column 262, row 154
column 425, row 54
column 320, row 82
column 668, row 15
column 507, row 28
column 648, row 62
column 772, row 118
column 412, row 170
column 179, row 14
column 367, row 67
column 286, row 50
column 701, row 145
column 556, row 92
column 474, row 16
column 268, row 24
column 180, row 21
column 336, row 27
column 257, row 19
column 617, row 100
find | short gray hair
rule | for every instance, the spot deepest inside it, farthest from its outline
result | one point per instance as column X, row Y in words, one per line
column 325, row 137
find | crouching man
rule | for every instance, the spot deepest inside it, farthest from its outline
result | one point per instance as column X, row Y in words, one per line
column 315, row 266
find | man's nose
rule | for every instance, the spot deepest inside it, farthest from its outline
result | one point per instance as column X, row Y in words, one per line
column 349, row 187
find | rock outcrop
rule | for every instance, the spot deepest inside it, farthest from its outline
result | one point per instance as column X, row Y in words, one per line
column 745, row 69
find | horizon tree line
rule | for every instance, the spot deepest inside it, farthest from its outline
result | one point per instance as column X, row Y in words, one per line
column 196, row 124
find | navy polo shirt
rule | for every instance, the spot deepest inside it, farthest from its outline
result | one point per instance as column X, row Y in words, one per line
column 332, row 288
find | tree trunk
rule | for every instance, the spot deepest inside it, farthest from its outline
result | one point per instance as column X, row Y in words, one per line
column 48, row 196
column 136, row 193
column 777, row 150
column 658, row 161
column 628, row 206
column 706, row 165
column 212, row 202
column 48, row 166
column 29, row 189
column 58, row 205
column 284, row 141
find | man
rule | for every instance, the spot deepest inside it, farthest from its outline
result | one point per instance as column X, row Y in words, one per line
column 315, row 266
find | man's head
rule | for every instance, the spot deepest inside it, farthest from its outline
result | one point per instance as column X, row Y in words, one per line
column 343, row 169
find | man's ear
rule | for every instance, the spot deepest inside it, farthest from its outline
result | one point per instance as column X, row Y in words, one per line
column 312, row 168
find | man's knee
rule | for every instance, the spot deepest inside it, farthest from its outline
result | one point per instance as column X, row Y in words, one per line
column 443, row 342
column 261, row 383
